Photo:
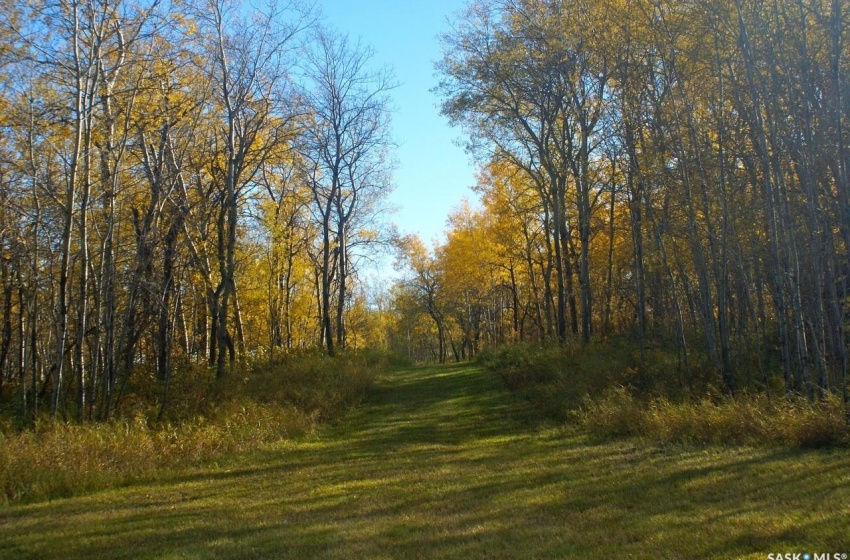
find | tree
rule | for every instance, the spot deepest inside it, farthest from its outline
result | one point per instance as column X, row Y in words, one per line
column 710, row 131
column 248, row 73
column 425, row 286
column 523, row 78
column 346, row 163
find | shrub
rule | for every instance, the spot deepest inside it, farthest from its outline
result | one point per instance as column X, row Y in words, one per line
column 616, row 414
column 206, row 421
column 751, row 419
column 612, row 392
column 556, row 378
column 321, row 386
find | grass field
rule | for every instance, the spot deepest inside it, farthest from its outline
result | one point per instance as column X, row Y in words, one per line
column 441, row 462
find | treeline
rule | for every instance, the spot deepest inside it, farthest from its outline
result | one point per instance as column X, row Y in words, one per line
column 187, row 182
column 672, row 171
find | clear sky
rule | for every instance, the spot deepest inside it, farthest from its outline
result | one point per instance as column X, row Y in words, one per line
column 433, row 173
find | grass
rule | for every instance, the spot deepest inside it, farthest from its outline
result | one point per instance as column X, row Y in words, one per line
column 749, row 419
column 441, row 462
column 605, row 389
column 208, row 420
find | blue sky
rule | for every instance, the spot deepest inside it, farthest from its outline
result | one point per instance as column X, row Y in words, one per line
column 433, row 173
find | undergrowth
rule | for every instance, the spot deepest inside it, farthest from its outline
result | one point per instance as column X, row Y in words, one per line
column 750, row 419
column 607, row 389
column 205, row 420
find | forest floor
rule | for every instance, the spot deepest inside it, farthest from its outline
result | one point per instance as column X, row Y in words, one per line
column 442, row 462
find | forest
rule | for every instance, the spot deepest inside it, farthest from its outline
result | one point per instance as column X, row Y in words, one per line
column 630, row 339
column 181, row 183
column 670, row 172
column 201, row 184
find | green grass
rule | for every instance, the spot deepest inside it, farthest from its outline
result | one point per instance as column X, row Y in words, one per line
column 441, row 462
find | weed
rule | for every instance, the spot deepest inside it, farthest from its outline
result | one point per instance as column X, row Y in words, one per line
column 205, row 421
column 613, row 389
column 749, row 419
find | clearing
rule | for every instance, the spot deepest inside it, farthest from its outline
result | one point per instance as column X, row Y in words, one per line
column 441, row 462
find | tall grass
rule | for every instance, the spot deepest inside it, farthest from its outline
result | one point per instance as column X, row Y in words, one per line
column 605, row 389
column 205, row 421
column 750, row 419
column 58, row 460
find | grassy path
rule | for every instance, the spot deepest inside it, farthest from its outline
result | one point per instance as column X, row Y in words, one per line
column 441, row 463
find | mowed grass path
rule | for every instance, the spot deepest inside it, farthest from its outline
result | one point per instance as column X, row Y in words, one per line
column 441, row 462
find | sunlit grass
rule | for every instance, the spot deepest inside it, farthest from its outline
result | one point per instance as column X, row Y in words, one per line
column 443, row 463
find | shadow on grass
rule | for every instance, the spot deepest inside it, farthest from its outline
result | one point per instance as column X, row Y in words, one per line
column 448, row 405
column 441, row 462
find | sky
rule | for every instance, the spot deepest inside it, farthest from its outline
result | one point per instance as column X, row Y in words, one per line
column 434, row 174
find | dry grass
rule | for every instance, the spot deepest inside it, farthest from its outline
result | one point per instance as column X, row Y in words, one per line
column 209, row 421
column 600, row 387
column 60, row 460
column 745, row 420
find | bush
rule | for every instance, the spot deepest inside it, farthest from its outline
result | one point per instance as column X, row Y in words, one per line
column 752, row 419
column 556, row 378
column 611, row 392
column 321, row 386
column 207, row 420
